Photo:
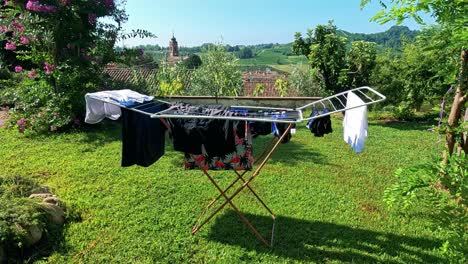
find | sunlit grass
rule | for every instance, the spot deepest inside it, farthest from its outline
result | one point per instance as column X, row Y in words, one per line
column 328, row 200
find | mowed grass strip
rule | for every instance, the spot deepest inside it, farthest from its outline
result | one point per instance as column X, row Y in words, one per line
column 328, row 200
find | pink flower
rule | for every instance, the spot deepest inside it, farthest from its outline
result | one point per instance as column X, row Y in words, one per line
column 48, row 9
column 18, row 68
column 21, row 124
column 3, row 28
column 32, row 74
column 65, row 2
column 35, row 6
column 10, row 46
column 48, row 68
column 92, row 18
column 17, row 26
column 20, row 28
column 24, row 40
column 32, row 5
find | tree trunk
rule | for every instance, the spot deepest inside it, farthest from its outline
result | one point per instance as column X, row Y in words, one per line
column 457, row 107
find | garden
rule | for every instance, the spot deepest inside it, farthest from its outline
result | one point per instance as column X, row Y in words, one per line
column 64, row 198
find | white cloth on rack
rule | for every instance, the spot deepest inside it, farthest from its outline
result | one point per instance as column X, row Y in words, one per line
column 355, row 123
column 97, row 109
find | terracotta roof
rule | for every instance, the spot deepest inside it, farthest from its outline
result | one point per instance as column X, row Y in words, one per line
column 130, row 76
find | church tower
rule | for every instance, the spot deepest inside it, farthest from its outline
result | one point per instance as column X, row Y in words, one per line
column 173, row 47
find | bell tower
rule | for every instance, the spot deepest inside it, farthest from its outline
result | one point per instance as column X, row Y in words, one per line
column 173, row 47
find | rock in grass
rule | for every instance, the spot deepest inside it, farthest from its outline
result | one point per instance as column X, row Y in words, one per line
column 34, row 235
column 40, row 195
column 52, row 200
column 54, row 213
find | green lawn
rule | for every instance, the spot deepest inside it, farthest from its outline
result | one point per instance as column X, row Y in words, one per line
column 328, row 200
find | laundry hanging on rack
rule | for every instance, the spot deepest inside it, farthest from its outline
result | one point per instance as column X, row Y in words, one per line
column 97, row 108
column 320, row 126
column 143, row 137
column 355, row 122
column 241, row 158
column 264, row 128
column 216, row 136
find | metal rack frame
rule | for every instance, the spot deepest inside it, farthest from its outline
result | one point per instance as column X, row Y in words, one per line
column 325, row 106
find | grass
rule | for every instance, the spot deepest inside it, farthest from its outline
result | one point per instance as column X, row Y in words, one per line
column 328, row 200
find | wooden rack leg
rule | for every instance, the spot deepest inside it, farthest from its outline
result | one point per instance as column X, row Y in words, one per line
column 194, row 229
column 257, row 234
column 245, row 184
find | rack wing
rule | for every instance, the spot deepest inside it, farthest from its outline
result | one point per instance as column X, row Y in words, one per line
column 337, row 103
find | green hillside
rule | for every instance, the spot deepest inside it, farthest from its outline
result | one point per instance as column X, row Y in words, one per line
column 280, row 56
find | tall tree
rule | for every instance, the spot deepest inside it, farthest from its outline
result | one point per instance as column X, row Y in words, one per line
column 452, row 16
column 218, row 75
column 361, row 62
column 327, row 54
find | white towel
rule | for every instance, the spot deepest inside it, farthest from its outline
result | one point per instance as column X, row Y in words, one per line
column 97, row 110
column 355, row 123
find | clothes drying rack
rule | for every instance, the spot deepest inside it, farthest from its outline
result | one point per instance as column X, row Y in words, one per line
column 323, row 107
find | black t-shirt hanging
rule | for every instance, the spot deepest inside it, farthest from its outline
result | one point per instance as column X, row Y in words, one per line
column 143, row 137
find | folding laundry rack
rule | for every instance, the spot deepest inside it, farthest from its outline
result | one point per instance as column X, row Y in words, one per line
column 333, row 104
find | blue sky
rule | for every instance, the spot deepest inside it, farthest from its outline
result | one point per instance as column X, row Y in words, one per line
column 245, row 21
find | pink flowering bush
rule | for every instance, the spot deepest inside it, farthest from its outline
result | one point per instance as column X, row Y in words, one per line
column 57, row 48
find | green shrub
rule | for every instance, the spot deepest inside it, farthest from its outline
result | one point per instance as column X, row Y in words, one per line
column 17, row 187
column 403, row 112
column 16, row 216
column 259, row 89
column 17, row 212
column 39, row 107
column 443, row 190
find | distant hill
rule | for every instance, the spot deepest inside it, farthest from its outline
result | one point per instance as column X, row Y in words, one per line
column 392, row 38
column 280, row 56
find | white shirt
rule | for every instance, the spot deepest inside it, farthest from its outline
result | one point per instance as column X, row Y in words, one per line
column 97, row 109
column 355, row 123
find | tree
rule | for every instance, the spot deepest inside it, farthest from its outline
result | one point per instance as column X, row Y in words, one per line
column 361, row 62
column 327, row 54
column 193, row 62
column 282, row 86
column 300, row 46
column 57, row 50
column 302, row 81
column 443, row 187
column 453, row 17
column 218, row 75
column 245, row 53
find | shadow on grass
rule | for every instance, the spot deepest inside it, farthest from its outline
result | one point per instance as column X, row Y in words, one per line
column 100, row 134
column 405, row 125
column 322, row 242
column 290, row 153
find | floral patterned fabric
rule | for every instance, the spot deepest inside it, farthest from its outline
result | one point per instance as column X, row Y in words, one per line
column 240, row 159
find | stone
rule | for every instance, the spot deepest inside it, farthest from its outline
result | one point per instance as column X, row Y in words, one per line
column 54, row 213
column 34, row 235
column 40, row 195
column 52, row 200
